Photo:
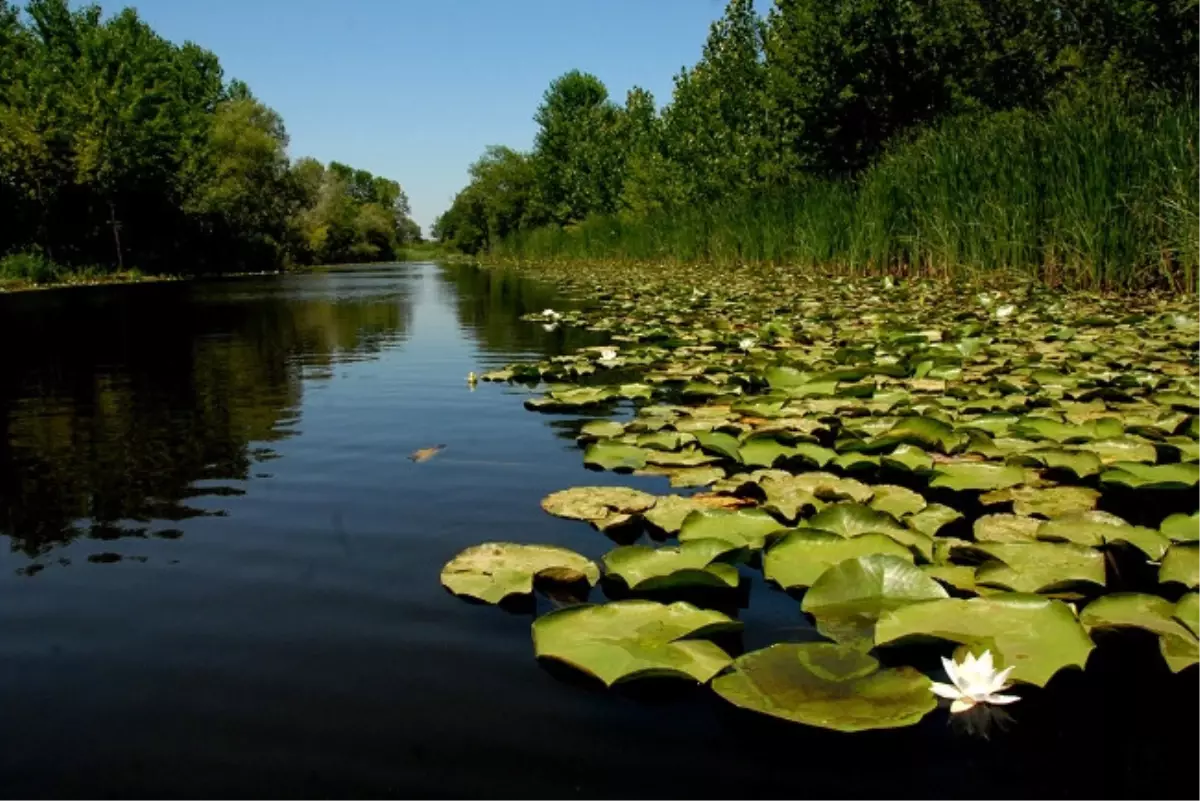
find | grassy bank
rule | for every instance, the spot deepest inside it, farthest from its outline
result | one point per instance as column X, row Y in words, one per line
column 1090, row 196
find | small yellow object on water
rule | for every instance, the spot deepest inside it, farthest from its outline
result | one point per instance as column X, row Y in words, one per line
column 425, row 454
column 471, row 377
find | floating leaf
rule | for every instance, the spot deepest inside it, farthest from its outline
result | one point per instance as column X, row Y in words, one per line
column 1081, row 463
column 601, row 429
column 853, row 519
column 720, row 444
column 684, row 476
column 495, row 570
column 693, row 563
column 932, row 519
column 896, row 501
column 634, row 639
column 849, row 597
column 603, row 507
column 610, row 455
column 1181, row 527
column 1182, row 564
column 981, row 476
column 909, row 458
column 670, row 511
column 826, row 685
column 1036, row 636
column 800, row 557
column 1137, row 610
column 1006, row 528
column 1187, row 612
column 1039, row 566
column 1095, row 529
column 1181, row 476
column 1045, row 501
column 926, row 432
column 744, row 528
column 764, row 452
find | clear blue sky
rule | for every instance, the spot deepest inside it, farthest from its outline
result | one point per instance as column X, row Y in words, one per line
column 414, row 89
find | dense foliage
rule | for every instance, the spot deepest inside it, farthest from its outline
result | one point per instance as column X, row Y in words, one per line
column 121, row 149
column 1058, row 138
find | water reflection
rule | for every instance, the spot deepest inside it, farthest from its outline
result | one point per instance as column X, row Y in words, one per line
column 121, row 406
column 489, row 305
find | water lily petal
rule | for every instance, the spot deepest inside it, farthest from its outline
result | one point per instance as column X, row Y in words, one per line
column 961, row 705
column 952, row 672
column 1000, row 699
column 1000, row 680
column 945, row 690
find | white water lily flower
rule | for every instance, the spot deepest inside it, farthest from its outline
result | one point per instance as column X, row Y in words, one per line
column 607, row 354
column 551, row 314
column 747, row 343
column 1005, row 311
column 975, row 681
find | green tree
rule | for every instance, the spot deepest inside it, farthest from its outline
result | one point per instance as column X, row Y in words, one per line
column 576, row 155
column 714, row 126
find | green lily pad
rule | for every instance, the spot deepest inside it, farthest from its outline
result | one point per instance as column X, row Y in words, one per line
column 495, row 570
column 1181, row 527
column 849, row 519
column 1045, row 501
column 849, row 597
column 932, row 519
column 669, row 512
column 1123, row 449
column 634, row 639
column 1187, row 612
column 825, row 486
column 688, row 457
column 609, row 455
column 960, row 577
column 1137, row 610
column 1006, row 528
column 1096, row 529
column 896, row 501
column 1081, row 463
column 909, row 458
column 764, row 452
column 603, row 507
column 854, row 462
column 684, row 476
column 1181, row 564
column 744, row 528
column 601, row 429
column 800, row 557
column 721, row 444
column 1036, row 636
column 925, row 432
column 828, row 686
column 1133, row 609
column 563, row 399
column 1029, row 567
column 979, row 476
column 692, row 564
column 1179, row 476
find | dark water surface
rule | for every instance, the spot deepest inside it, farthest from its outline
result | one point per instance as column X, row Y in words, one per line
column 221, row 576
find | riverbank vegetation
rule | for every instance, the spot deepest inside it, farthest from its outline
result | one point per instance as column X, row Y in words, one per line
column 1056, row 139
column 121, row 150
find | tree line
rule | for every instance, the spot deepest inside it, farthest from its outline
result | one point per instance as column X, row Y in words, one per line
column 818, row 108
column 121, row 149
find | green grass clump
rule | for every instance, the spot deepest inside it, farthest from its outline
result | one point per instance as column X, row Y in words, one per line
column 1097, row 195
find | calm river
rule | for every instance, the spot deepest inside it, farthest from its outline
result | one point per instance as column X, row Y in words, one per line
column 221, row 575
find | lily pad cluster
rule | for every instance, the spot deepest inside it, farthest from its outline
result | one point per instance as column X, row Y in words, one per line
column 909, row 462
